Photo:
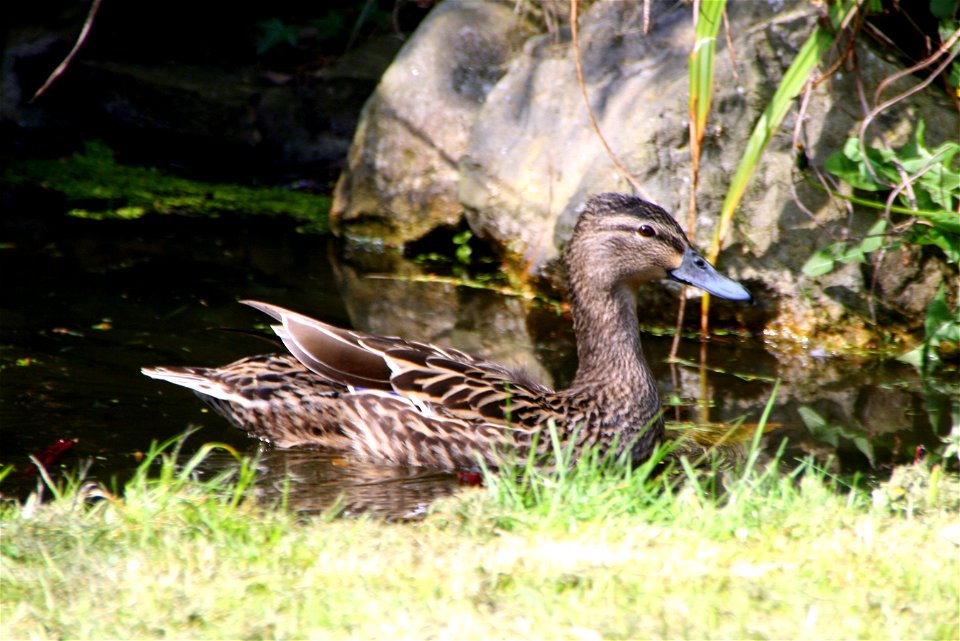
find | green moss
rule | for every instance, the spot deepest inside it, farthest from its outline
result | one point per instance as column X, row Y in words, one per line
column 96, row 186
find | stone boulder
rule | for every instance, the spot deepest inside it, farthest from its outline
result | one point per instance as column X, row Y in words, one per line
column 401, row 177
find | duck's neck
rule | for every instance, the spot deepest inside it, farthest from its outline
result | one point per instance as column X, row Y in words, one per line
column 613, row 378
column 608, row 342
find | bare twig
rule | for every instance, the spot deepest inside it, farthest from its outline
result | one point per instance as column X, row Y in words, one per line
column 799, row 143
column 681, row 311
column 730, row 51
column 575, row 38
column 851, row 45
column 876, row 111
column 87, row 24
column 926, row 62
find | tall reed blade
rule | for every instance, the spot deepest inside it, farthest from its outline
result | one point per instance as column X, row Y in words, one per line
column 700, row 67
column 793, row 82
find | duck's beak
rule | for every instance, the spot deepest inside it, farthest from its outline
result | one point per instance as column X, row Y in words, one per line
column 695, row 270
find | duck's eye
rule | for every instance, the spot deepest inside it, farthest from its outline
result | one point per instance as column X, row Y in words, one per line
column 647, row 231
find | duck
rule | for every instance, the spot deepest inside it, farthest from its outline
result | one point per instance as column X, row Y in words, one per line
column 402, row 402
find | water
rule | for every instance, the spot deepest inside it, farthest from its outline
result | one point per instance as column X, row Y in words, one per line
column 87, row 303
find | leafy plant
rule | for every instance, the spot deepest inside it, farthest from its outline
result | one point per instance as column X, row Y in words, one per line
column 274, row 32
column 924, row 183
column 462, row 243
column 942, row 333
column 825, row 260
column 832, row 433
column 922, row 187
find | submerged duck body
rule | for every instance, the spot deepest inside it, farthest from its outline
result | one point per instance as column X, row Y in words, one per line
column 399, row 401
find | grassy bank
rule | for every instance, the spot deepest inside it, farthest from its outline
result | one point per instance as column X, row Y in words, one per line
column 596, row 553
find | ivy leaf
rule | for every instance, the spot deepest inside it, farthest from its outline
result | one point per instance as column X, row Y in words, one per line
column 947, row 221
column 330, row 25
column 847, row 165
column 916, row 147
column 874, row 239
column 275, row 33
column 941, row 325
column 941, row 181
column 941, row 322
column 947, row 241
column 944, row 9
column 933, row 198
column 823, row 261
column 914, row 357
column 818, row 426
column 823, row 430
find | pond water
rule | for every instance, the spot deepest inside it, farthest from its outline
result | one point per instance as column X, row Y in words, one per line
column 87, row 303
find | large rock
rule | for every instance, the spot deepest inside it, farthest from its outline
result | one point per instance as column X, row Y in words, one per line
column 401, row 176
column 531, row 157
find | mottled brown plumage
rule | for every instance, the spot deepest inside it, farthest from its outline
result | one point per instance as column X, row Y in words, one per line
column 389, row 399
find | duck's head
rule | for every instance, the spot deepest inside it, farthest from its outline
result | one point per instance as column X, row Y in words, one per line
column 622, row 241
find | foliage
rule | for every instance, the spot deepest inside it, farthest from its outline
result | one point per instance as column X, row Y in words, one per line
column 825, row 260
column 330, row 28
column 274, row 32
column 828, row 432
column 462, row 243
column 941, row 334
column 925, row 183
column 99, row 187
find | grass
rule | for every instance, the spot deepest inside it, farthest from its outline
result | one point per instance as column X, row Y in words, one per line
column 595, row 552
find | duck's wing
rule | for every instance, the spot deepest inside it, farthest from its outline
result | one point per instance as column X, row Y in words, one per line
column 337, row 354
column 470, row 388
column 428, row 375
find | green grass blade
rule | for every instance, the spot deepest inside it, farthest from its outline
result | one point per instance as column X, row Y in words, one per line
column 754, row 452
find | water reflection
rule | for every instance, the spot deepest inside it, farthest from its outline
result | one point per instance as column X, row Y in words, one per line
column 313, row 481
column 389, row 296
column 92, row 302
